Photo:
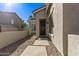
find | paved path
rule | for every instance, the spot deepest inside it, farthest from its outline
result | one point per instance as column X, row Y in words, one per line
column 34, row 51
column 41, row 42
column 37, row 49
column 41, row 47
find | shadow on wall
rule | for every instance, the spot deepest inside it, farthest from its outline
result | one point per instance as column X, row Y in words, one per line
column 65, row 44
column 73, row 30
column 67, row 36
column 0, row 28
column 71, row 23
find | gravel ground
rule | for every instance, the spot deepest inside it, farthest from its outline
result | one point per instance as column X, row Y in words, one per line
column 52, row 50
column 17, row 47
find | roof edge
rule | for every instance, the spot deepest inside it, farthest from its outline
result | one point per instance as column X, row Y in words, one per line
column 11, row 13
column 37, row 10
column 8, row 12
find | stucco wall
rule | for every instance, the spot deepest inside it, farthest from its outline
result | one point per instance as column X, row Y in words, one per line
column 71, row 18
column 73, row 45
column 58, row 26
column 71, row 26
column 7, row 38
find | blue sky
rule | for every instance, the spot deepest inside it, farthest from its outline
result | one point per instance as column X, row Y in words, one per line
column 23, row 10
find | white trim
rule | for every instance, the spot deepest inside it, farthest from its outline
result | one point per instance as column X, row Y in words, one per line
column 39, row 10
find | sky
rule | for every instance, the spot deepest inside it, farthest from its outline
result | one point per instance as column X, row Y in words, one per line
column 23, row 10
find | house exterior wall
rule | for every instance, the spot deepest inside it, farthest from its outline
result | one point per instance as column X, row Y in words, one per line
column 39, row 15
column 7, row 18
column 57, row 15
column 66, row 29
column 71, row 27
column 17, row 21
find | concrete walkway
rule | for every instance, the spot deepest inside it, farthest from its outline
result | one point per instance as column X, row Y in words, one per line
column 34, row 51
column 37, row 49
column 41, row 42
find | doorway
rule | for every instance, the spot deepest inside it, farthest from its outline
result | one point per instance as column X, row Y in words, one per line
column 0, row 28
column 42, row 27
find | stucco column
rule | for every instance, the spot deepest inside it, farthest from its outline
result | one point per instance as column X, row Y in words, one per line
column 37, row 28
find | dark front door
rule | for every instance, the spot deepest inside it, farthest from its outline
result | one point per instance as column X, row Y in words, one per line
column 42, row 27
column 0, row 28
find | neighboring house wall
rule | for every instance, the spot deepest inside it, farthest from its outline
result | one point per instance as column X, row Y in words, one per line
column 39, row 15
column 11, row 19
column 17, row 21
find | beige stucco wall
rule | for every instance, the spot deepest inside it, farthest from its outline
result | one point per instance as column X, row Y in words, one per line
column 57, row 15
column 39, row 15
column 7, row 38
column 66, row 27
column 71, row 27
column 73, row 45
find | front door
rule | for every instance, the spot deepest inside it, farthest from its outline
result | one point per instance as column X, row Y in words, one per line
column 42, row 27
column 0, row 28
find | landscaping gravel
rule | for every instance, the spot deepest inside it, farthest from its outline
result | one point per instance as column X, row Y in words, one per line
column 17, row 47
column 52, row 50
